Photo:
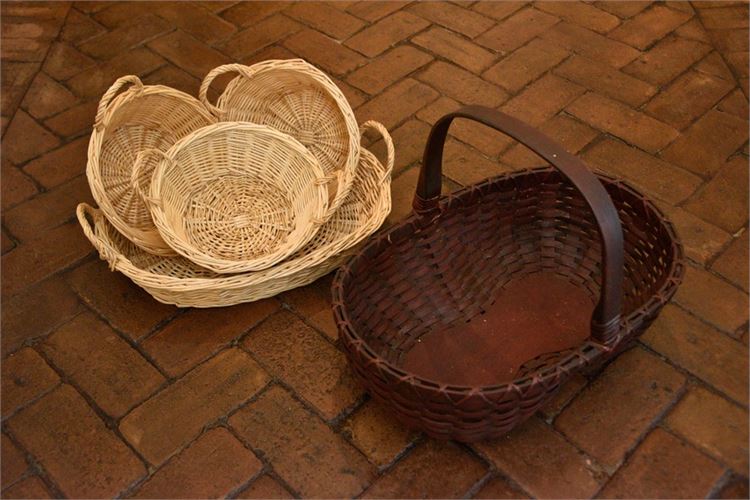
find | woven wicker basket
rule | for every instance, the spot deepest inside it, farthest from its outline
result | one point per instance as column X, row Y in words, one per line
column 142, row 117
column 176, row 280
column 298, row 99
column 236, row 196
column 468, row 316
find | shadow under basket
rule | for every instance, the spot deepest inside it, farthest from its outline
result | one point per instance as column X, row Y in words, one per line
column 468, row 316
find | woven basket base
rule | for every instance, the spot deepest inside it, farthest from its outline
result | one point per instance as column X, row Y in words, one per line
column 537, row 314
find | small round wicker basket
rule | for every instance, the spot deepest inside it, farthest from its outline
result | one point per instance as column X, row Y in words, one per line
column 296, row 98
column 142, row 117
column 235, row 196
column 176, row 280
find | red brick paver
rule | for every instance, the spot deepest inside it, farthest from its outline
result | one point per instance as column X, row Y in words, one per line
column 107, row 392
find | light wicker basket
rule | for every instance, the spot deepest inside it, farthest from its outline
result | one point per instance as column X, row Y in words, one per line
column 235, row 196
column 178, row 281
column 142, row 117
column 298, row 99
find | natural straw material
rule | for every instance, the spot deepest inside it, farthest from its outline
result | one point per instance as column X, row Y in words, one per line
column 447, row 264
column 140, row 118
column 296, row 98
column 235, row 196
column 176, row 280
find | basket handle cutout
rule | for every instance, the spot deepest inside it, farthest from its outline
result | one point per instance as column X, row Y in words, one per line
column 390, row 151
column 109, row 95
column 84, row 212
column 243, row 70
column 606, row 317
column 135, row 175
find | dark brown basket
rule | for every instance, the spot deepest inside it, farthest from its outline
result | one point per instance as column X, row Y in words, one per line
column 467, row 316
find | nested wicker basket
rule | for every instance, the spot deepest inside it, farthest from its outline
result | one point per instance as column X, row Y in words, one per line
column 469, row 315
column 236, row 196
column 177, row 280
column 142, row 117
column 298, row 99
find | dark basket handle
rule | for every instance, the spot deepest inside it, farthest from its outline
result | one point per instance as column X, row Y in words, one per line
column 606, row 318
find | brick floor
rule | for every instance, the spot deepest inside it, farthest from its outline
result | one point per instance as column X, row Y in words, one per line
column 106, row 392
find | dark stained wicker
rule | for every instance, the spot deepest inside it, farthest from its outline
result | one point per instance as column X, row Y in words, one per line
column 447, row 263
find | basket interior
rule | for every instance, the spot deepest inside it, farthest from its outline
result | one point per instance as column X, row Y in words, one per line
column 295, row 103
column 507, row 276
column 139, row 123
column 239, row 193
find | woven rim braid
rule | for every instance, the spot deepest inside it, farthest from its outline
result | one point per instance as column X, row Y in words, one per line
column 178, row 281
column 142, row 117
column 235, row 196
column 377, row 323
column 294, row 97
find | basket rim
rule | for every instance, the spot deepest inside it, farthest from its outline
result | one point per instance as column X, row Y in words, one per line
column 348, row 168
column 287, row 268
column 150, row 240
column 576, row 358
column 305, row 229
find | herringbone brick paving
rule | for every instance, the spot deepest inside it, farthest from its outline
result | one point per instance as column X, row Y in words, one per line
column 106, row 392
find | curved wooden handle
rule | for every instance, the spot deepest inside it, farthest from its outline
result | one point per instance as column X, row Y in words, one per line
column 606, row 317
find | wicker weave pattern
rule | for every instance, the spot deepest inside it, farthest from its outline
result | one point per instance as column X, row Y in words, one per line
column 142, row 117
column 296, row 98
column 236, row 197
column 176, row 280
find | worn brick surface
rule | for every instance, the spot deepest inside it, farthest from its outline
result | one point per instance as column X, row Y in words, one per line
column 117, row 379
column 705, row 146
column 497, row 487
column 701, row 349
column 525, row 64
column 516, row 30
column 305, row 452
column 301, row 357
column 653, row 92
column 632, row 126
column 126, row 307
column 376, row 433
column 13, row 462
column 606, row 80
column 433, row 469
column 60, row 165
column 175, row 416
column 663, row 467
column 688, row 98
column 16, row 186
column 722, row 200
column 36, row 311
column 713, row 299
column 655, row 177
column 713, row 424
column 590, row 44
column 646, row 27
column 399, row 62
column 542, row 462
column 386, row 32
column 731, row 263
column 26, row 376
column 265, row 487
column 700, row 239
column 213, row 466
column 450, row 46
column 667, row 59
column 543, row 99
column 610, row 414
column 29, row 487
column 199, row 333
column 75, row 447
